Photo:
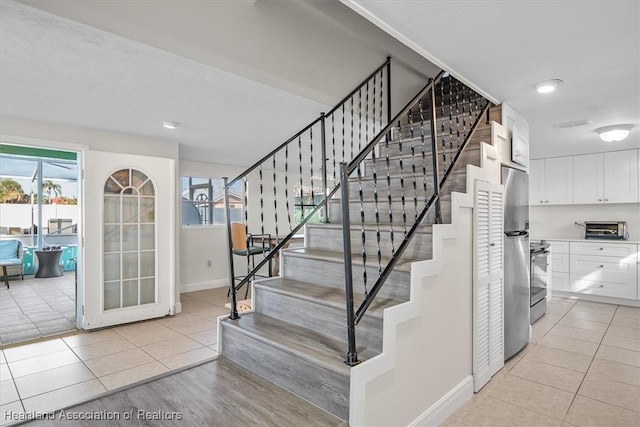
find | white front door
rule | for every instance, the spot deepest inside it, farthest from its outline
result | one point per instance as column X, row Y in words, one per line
column 129, row 238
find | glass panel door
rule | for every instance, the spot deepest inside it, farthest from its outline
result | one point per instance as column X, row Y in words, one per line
column 130, row 239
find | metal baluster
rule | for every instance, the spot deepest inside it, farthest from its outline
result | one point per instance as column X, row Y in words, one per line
column 343, row 139
column 333, row 145
column 362, row 229
column 424, row 156
column 246, row 226
column 261, row 203
column 286, row 185
column 351, row 129
column 275, row 198
column 389, row 199
column 377, row 211
column 366, row 115
column 245, row 188
column 359, row 120
column 301, row 183
column 443, row 120
column 402, row 196
column 373, row 111
column 323, row 165
column 313, row 194
column 413, row 168
column 388, row 89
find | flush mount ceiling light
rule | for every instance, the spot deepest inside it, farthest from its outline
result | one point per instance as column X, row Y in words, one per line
column 614, row 133
column 547, row 86
column 170, row 125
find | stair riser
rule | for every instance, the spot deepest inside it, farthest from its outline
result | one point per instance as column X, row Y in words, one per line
column 395, row 149
column 335, row 211
column 316, row 384
column 331, row 274
column 381, row 185
column 320, row 318
column 395, row 168
column 470, row 155
column 331, row 239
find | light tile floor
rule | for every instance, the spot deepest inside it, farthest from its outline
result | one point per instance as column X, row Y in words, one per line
column 55, row 373
column 36, row 308
column 582, row 367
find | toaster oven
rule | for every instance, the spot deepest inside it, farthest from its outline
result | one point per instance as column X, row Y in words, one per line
column 614, row 230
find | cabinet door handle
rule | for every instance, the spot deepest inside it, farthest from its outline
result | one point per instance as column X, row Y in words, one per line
column 602, row 266
column 602, row 249
column 541, row 201
column 606, row 200
column 599, row 200
column 602, row 286
column 546, row 201
column 492, row 244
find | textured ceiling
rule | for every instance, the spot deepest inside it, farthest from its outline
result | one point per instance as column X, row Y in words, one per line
column 240, row 76
column 505, row 47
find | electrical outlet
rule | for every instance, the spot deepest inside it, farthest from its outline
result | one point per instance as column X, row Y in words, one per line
column 208, row 263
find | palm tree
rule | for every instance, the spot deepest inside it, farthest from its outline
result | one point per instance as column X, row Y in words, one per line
column 50, row 186
column 11, row 191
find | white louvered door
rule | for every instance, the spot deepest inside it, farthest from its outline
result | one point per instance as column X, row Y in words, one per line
column 488, row 306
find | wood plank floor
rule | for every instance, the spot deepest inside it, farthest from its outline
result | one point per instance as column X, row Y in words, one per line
column 217, row 393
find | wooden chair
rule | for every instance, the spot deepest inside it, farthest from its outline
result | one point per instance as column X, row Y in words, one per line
column 248, row 246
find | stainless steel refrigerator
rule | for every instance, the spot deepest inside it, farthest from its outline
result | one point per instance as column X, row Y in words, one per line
column 516, row 260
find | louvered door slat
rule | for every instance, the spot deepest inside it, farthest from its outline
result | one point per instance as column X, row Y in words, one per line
column 488, row 318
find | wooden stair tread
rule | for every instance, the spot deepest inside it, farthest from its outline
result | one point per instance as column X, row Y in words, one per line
column 333, row 256
column 325, row 351
column 332, row 297
column 383, row 226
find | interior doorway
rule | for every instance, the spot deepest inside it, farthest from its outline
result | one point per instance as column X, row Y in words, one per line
column 39, row 219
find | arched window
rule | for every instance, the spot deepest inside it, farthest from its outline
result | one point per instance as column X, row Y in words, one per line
column 129, row 262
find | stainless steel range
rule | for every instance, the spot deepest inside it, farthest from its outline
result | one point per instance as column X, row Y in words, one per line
column 539, row 254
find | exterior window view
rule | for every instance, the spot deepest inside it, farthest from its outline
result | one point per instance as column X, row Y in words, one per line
column 203, row 201
column 320, row 213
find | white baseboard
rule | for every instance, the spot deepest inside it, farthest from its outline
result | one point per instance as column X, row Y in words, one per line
column 447, row 405
column 597, row 298
column 199, row 286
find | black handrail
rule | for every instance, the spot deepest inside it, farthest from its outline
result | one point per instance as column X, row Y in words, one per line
column 310, row 125
column 433, row 201
column 398, row 254
column 326, row 192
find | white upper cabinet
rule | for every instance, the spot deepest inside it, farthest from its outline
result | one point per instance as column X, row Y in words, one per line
column 621, row 176
column 551, row 181
column 518, row 150
column 606, row 177
column 588, row 179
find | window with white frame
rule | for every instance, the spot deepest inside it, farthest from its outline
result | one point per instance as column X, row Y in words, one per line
column 203, row 201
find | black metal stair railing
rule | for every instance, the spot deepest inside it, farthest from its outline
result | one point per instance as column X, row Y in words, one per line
column 290, row 186
column 409, row 162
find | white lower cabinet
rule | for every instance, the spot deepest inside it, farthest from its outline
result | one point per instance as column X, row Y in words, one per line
column 559, row 266
column 560, row 282
column 605, row 269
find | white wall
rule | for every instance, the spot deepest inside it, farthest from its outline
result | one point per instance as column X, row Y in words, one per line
column 19, row 215
column 433, row 354
column 424, row 372
column 557, row 222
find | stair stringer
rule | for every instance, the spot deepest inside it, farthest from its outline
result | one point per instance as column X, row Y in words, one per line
column 405, row 384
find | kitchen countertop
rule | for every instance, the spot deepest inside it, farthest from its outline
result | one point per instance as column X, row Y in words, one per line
column 568, row 239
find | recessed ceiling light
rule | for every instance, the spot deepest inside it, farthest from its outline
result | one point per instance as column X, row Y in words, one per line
column 170, row 125
column 614, row 133
column 547, row 86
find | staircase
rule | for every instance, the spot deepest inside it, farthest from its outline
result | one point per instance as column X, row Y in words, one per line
column 296, row 336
